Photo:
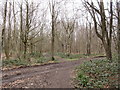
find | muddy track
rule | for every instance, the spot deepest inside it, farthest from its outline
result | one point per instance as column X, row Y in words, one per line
column 56, row 75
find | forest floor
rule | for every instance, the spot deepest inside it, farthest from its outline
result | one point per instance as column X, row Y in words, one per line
column 54, row 75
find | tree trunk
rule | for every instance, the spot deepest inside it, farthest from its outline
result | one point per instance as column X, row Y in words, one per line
column 68, row 48
column 31, row 47
column 118, row 34
column 53, row 31
column 25, row 50
column 3, row 29
column 7, row 49
column 88, row 32
column 108, row 51
column 22, row 36
column 52, row 45
column 14, row 37
column 26, row 30
column 106, row 35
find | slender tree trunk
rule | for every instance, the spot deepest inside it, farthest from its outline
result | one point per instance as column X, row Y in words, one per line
column 27, row 30
column 68, row 47
column 118, row 33
column 41, row 46
column 90, row 39
column 14, row 38
column 31, row 47
column 62, row 47
column 7, row 49
column 21, row 30
column 25, row 49
column 53, row 31
column 106, row 36
column 52, row 45
column 88, row 32
column 3, row 29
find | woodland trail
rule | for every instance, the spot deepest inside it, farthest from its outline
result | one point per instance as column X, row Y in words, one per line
column 57, row 75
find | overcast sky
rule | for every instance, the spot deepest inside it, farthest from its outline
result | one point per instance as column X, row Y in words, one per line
column 69, row 7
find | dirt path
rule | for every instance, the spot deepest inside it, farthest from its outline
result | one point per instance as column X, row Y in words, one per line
column 57, row 75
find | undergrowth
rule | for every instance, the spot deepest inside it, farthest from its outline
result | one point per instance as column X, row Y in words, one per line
column 22, row 62
column 97, row 74
column 71, row 56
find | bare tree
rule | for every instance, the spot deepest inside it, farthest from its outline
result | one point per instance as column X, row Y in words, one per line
column 14, row 33
column 106, row 34
column 25, row 33
column 54, row 15
column 68, row 26
column 89, row 31
column 21, row 26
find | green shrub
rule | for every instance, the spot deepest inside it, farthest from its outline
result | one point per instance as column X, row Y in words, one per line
column 15, row 62
column 42, row 60
column 35, row 54
column 62, row 55
column 97, row 74
column 71, row 56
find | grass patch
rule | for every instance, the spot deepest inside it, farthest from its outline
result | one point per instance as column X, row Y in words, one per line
column 31, row 60
column 62, row 55
column 16, row 62
column 71, row 59
column 43, row 59
column 71, row 56
column 34, row 55
column 97, row 74
column 75, row 56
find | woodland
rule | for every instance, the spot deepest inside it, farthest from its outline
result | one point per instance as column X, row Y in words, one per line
column 83, row 36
